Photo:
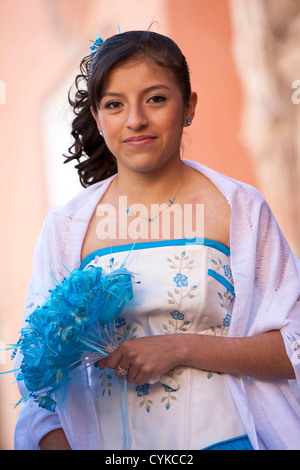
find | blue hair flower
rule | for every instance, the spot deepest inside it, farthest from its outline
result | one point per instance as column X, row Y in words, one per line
column 96, row 44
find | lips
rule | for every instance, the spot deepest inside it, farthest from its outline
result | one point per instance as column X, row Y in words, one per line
column 139, row 139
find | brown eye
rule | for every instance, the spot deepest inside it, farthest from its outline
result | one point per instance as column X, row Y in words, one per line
column 112, row 105
column 157, row 99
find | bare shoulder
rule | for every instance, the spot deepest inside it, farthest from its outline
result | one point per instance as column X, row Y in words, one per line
column 217, row 211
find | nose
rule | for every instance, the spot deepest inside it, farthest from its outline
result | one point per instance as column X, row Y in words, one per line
column 136, row 118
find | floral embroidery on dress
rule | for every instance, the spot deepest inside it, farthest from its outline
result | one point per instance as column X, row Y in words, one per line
column 169, row 391
column 169, row 397
column 211, row 374
column 219, row 266
column 143, row 392
column 227, row 320
column 226, row 300
column 124, row 330
column 105, row 382
column 181, row 280
column 227, row 271
column 178, row 322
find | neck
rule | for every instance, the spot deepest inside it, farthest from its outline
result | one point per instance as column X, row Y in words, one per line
column 152, row 187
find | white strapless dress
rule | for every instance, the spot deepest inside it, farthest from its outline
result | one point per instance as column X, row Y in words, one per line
column 184, row 287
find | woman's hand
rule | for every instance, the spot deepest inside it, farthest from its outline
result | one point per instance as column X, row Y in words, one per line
column 262, row 356
column 145, row 358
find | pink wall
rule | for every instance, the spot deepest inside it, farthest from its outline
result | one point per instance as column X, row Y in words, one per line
column 204, row 34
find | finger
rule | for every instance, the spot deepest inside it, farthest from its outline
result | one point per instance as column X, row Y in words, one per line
column 102, row 363
column 114, row 359
column 141, row 379
column 132, row 374
column 123, row 364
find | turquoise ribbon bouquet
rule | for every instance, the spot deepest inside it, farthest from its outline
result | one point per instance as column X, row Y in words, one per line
column 72, row 328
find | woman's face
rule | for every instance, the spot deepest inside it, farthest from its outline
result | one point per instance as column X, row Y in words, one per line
column 141, row 115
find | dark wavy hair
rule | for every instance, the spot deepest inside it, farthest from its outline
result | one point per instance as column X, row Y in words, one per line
column 95, row 161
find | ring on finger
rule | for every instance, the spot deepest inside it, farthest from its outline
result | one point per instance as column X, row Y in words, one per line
column 122, row 372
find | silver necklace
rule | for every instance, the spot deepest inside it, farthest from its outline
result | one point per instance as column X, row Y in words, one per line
column 169, row 204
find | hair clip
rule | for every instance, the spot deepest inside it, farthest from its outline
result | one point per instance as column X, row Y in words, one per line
column 96, row 44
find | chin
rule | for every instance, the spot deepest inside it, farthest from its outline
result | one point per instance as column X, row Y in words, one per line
column 144, row 163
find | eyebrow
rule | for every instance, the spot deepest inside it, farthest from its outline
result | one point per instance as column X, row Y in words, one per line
column 146, row 90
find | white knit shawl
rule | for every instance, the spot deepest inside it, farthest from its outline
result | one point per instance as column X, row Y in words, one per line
column 267, row 287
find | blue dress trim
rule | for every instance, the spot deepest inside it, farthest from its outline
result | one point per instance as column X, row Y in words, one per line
column 221, row 279
column 237, row 443
column 154, row 244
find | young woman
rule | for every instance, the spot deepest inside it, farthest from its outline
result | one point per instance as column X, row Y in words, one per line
column 208, row 344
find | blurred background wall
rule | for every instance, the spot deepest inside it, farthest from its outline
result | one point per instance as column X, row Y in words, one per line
column 244, row 61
